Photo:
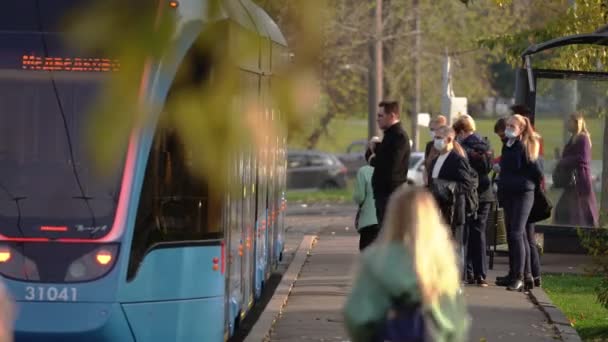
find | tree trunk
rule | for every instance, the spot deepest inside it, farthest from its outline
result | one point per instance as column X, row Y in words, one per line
column 313, row 138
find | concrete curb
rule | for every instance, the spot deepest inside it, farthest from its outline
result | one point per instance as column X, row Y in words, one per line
column 262, row 328
column 555, row 316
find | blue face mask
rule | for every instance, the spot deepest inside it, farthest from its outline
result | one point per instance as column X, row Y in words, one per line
column 509, row 133
column 439, row 144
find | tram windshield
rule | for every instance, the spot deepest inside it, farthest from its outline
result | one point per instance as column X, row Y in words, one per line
column 49, row 185
column 558, row 95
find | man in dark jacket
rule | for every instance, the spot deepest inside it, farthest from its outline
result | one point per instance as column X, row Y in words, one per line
column 391, row 157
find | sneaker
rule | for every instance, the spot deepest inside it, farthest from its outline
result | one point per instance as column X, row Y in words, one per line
column 482, row 282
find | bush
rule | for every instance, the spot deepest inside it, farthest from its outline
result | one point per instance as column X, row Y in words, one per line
column 596, row 243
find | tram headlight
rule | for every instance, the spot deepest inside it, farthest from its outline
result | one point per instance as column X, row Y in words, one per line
column 93, row 264
column 77, row 270
column 13, row 264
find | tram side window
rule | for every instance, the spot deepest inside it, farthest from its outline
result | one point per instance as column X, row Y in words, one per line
column 175, row 206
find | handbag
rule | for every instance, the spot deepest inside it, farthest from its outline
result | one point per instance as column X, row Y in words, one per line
column 443, row 191
column 541, row 209
column 563, row 178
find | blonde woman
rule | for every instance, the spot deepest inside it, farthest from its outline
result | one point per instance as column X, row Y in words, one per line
column 520, row 175
column 577, row 205
column 479, row 154
column 413, row 263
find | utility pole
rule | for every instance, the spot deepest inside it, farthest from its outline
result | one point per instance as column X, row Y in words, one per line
column 417, row 80
column 372, row 100
column 377, row 59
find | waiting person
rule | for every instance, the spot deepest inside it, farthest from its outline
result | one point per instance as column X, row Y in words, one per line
column 412, row 265
column 499, row 128
column 480, row 157
column 520, row 175
column 429, row 152
column 367, row 222
column 525, row 111
column 577, row 205
column 453, row 183
column 391, row 157
column 532, row 253
column 533, row 257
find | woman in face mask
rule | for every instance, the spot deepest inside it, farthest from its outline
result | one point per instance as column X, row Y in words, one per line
column 453, row 183
column 429, row 152
column 520, row 175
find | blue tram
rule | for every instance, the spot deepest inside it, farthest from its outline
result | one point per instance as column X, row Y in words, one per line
column 148, row 253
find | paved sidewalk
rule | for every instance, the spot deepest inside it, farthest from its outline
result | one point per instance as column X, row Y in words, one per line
column 313, row 310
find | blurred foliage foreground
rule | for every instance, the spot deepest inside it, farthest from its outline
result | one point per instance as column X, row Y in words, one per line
column 205, row 115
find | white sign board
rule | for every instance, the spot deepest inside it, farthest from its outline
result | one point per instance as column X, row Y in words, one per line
column 454, row 106
column 424, row 119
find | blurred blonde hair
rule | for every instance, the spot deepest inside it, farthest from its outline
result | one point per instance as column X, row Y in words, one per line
column 465, row 123
column 529, row 137
column 413, row 218
column 439, row 120
column 7, row 315
column 581, row 126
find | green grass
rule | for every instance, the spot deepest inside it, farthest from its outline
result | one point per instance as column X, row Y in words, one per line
column 322, row 196
column 341, row 132
column 575, row 296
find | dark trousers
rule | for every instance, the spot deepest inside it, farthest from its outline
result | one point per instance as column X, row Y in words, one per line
column 380, row 202
column 517, row 207
column 460, row 233
column 476, row 246
column 367, row 235
column 532, row 252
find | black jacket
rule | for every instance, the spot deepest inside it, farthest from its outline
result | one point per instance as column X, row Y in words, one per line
column 391, row 161
column 456, row 169
column 479, row 154
column 517, row 173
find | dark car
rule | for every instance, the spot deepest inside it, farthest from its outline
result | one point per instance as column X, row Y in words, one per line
column 354, row 157
column 314, row 169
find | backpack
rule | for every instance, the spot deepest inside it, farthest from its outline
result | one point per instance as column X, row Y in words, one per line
column 404, row 323
column 408, row 322
column 480, row 156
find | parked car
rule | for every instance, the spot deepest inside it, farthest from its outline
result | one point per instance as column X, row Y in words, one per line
column 314, row 169
column 416, row 169
column 354, row 157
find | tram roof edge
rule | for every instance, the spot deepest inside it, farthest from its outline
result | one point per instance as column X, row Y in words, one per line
column 265, row 22
column 599, row 37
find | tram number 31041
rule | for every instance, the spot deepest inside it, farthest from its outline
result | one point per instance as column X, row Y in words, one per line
column 51, row 294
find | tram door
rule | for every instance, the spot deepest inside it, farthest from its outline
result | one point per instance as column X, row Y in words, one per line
column 235, row 223
column 556, row 95
column 272, row 207
column 250, row 82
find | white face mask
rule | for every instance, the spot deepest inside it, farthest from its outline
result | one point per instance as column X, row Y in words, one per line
column 439, row 144
column 510, row 133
